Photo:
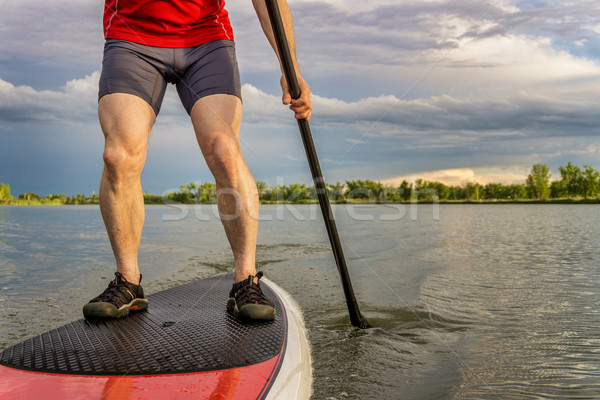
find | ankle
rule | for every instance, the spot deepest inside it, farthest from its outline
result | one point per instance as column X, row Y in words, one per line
column 132, row 277
column 239, row 276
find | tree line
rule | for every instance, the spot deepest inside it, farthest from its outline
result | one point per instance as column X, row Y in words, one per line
column 52, row 199
column 574, row 183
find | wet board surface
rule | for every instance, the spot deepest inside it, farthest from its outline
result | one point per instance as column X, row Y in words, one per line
column 185, row 334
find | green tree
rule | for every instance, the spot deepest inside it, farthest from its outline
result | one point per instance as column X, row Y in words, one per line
column 276, row 193
column 364, row 189
column 4, row 192
column 152, row 198
column 517, row 191
column 443, row 191
column 431, row 191
column 391, row 194
column 193, row 193
column 29, row 196
column 295, row 192
column 558, row 190
column 183, row 196
column 457, row 193
column 405, row 190
column 261, row 188
column 61, row 197
column 375, row 187
column 335, row 191
column 206, row 193
column 192, row 189
column 537, row 181
column 590, row 182
column 571, row 178
column 420, row 191
column 473, row 191
column 494, row 191
column 79, row 198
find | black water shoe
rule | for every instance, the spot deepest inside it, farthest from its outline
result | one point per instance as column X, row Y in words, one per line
column 248, row 302
column 119, row 298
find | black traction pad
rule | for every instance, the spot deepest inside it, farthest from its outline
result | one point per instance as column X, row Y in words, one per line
column 186, row 329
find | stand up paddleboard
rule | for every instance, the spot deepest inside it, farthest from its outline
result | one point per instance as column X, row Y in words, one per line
column 185, row 346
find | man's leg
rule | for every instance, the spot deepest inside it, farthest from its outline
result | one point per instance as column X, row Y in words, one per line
column 126, row 121
column 216, row 120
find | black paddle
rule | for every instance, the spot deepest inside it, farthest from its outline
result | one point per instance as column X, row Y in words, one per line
column 356, row 318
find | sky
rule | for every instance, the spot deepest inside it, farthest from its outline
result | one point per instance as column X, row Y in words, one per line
column 443, row 90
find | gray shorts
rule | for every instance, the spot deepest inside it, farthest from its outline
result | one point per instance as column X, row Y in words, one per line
column 144, row 71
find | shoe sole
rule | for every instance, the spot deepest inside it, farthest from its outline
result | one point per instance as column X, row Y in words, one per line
column 109, row 311
column 251, row 312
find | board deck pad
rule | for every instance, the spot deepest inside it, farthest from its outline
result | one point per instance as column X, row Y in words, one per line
column 185, row 329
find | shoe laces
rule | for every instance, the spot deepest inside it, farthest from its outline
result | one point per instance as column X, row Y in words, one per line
column 248, row 292
column 118, row 291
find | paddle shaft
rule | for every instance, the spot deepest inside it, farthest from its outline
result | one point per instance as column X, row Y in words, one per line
column 356, row 318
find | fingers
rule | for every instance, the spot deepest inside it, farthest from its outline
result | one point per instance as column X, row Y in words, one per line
column 301, row 109
column 302, row 106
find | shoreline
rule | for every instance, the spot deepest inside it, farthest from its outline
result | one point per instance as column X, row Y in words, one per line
column 308, row 202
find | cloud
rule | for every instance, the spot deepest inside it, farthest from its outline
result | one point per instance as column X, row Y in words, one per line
column 441, row 121
column 52, row 33
column 517, row 62
column 389, row 115
column 260, row 106
column 459, row 176
column 418, row 49
column 75, row 101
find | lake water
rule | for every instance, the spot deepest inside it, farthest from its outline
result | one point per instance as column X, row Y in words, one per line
column 466, row 301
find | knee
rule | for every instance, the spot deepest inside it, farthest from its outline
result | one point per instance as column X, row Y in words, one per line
column 122, row 163
column 223, row 158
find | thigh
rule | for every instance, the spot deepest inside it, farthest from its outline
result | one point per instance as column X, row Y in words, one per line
column 216, row 116
column 134, row 69
column 210, row 69
column 126, row 121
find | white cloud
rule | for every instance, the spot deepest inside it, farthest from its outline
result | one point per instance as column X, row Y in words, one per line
column 260, row 106
column 460, row 176
column 76, row 101
column 515, row 62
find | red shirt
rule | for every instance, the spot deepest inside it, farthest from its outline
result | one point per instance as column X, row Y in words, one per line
column 167, row 23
